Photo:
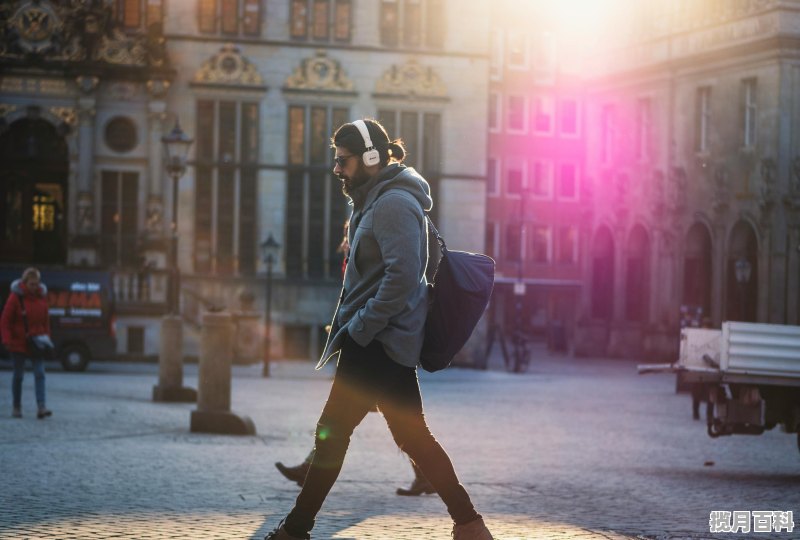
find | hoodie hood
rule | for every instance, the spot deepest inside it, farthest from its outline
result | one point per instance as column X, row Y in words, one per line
column 17, row 287
column 395, row 176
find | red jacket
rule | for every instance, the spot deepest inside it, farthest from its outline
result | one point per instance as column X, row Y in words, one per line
column 11, row 325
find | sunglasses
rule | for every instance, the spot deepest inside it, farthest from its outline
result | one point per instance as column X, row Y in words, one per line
column 342, row 160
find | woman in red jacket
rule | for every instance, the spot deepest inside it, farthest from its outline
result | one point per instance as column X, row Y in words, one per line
column 28, row 293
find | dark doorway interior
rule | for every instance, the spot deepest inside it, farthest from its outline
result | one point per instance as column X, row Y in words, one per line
column 34, row 167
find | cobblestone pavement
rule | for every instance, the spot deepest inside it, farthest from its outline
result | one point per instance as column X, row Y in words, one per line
column 573, row 449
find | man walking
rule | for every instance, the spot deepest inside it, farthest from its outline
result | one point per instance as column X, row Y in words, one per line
column 378, row 329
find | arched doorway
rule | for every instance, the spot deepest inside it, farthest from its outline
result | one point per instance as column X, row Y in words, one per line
column 637, row 275
column 742, row 293
column 697, row 273
column 603, row 275
column 34, row 168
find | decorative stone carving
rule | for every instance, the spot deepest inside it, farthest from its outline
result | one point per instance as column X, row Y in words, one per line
column 68, row 115
column 87, row 85
column 678, row 184
column 74, row 31
column 158, row 87
column 658, row 200
column 154, row 217
column 319, row 73
column 85, row 213
column 721, row 196
column 228, row 68
column 411, row 80
column 5, row 110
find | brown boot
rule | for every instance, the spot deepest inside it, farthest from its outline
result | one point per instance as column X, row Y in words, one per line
column 281, row 534
column 295, row 474
column 419, row 486
column 474, row 530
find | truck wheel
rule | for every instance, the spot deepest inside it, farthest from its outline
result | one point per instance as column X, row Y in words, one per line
column 74, row 357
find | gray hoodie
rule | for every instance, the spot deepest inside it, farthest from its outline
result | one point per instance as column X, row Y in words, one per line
column 385, row 294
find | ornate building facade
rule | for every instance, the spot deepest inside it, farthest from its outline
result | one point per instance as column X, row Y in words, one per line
column 88, row 88
column 692, row 162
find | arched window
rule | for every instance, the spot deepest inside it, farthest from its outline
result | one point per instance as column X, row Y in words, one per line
column 637, row 275
column 603, row 275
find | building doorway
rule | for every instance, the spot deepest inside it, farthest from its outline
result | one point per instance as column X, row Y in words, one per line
column 34, row 168
column 742, row 287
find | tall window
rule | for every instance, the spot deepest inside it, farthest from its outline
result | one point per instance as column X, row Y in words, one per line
column 412, row 23
column 569, row 117
column 568, row 182
column 515, row 176
column 230, row 17
column 138, row 14
column 517, row 114
column 518, row 49
column 496, row 55
column 567, row 245
column 542, row 179
column 315, row 206
column 702, row 118
column 422, row 134
column 119, row 218
column 225, row 187
column 495, row 111
column 321, row 20
column 543, row 115
column 541, row 244
column 643, row 128
column 608, row 135
column 749, row 112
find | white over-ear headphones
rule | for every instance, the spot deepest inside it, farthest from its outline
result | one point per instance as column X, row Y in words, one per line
column 371, row 156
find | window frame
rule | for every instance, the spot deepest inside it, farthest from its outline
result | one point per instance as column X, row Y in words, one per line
column 608, row 121
column 243, row 29
column 525, row 62
column 510, row 164
column 561, row 115
column 541, row 99
column 215, row 169
column 576, row 181
column 644, row 129
column 573, row 259
column 548, row 166
column 750, row 112
column 535, row 227
column 525, row 110
column 394, row 34
column 703, row 119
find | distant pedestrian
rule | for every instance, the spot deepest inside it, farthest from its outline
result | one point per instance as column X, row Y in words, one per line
column 378, row 329
column 25, row 316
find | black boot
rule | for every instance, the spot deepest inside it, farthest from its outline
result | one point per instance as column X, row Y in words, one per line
column 295, row 474
column 419, row 486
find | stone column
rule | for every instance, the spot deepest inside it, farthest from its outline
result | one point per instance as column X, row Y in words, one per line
column 213, row 414
column 170, row 364
column 718, row 275
column 86, row 143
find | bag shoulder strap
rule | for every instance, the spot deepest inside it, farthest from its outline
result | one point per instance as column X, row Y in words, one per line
column 24, row 313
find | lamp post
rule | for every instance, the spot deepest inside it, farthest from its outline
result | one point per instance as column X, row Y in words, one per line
column 269, row 254
column 176, row 148
column 743, row 268
column 520, row 345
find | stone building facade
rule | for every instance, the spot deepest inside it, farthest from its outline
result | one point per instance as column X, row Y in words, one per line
column 693, row 169
column 260, row 85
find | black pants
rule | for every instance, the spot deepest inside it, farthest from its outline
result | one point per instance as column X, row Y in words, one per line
column 366, row 377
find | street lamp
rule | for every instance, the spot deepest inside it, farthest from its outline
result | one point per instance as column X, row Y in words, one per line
column 742, row 269
column 176, row 148
column 269, row 254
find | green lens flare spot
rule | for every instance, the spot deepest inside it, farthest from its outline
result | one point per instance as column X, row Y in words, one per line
column 323, row 433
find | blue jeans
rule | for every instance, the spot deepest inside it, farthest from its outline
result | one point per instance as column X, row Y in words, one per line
column 19, row 373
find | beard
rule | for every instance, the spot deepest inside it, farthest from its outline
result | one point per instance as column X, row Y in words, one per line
column 351, row 183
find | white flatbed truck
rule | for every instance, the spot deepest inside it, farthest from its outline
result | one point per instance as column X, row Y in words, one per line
column 749, row 373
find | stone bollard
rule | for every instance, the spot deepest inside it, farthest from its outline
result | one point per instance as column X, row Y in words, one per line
column 213, row 414
column 170, row 364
